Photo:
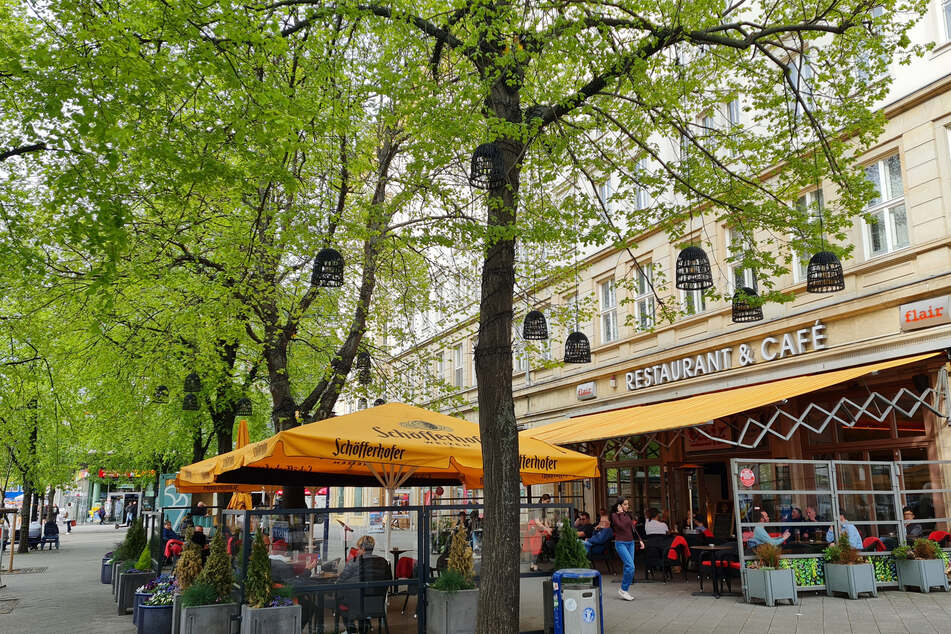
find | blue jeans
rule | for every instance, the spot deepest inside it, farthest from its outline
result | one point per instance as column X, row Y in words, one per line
column 625, row 550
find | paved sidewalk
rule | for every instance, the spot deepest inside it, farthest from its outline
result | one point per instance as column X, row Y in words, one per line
column 68, row 598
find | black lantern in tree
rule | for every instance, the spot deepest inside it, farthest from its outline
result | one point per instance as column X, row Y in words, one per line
column 535, row 328
column 193, row 383
column 487, row 170
column 745, row 305
column 363, row 361
column 242, row 407
column 190, row 402
column 161, row 394
column 379, row 401
column 577, row 348
column 328, row 269
column 824, row 273
column 693, row 270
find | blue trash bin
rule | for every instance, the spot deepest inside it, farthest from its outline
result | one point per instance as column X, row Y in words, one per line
column 577, row 601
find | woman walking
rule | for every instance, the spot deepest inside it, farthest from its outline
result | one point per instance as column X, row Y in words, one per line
column 623, row 527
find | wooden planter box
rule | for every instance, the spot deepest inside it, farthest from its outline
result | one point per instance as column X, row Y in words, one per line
column 137, row 601
column 128, row 582
column 923, row 574
column 771, row 585
column 155, row 619
column 268, row 620
column 208, row 619
column 852, row 580
column 451, row 613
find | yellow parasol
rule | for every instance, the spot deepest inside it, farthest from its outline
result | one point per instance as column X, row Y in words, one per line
column 241, row 500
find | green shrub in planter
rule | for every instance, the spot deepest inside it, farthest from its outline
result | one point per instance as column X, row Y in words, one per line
column 569, row 551
column 921, row 565
column 199, row 593
column 217, row 570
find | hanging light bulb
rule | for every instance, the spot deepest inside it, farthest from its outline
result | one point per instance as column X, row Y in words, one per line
column 744, row 309
column 535, row 328
column 824, row 273
column 577, row 348
column 693, row 270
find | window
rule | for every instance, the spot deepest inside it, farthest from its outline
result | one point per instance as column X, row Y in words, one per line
column 644, row 300
column 800, row 73
column 605, row 192
column 946, row 18
column 888, row 229
column 809, row 204
column 707, row 124
column 641, row 200
column 441, row 367
column 608, row 296
column 739, row 276
column 475, row 344
column 458, row 369
column 693, row 302
column 864, row 59
column 733, row 112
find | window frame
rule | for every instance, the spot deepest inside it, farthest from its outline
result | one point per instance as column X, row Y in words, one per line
column 749, row 275
column 604, row 192
column 697, row 296
column 944, row 16
column 886, row 204
column 796, row 77
column 644, row 298
column 800, row 261
column 608, row 314
column 458, row 367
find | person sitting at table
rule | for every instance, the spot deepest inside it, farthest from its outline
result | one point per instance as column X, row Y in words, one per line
column 361, row 603
column 808, row 533
column 762, row 536
column 583, row 525
column 912, row 531
column 847, row 527
column 600, row 538
column 655, row 524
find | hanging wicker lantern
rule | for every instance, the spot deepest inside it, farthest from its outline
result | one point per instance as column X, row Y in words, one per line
column 577, row 348
column 161, row 394
column 535, row 328
column 379, row 401
column 693, row 270
column 242, row 407
column 193, row 383
column 363, row 361
column 364, row 376
column 743, row 309
column 487, row 170
column 824, row 274
column 328, row 269
column 190, row 402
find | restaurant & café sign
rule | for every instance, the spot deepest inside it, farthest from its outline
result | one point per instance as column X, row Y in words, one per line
column 769, row 348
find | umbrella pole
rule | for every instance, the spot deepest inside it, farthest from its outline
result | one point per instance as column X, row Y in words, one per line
column 388, row 500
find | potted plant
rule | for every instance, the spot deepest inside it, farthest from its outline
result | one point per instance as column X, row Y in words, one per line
column 266, row 610
column 569, row 553
column 921, row 565
column 132, row 579
column 127, row 553
column 161, row 584
column 847, row 571
column 766, row 580
column 155, row 614
column 452, row 600
column 186, row 571
column 207, row 607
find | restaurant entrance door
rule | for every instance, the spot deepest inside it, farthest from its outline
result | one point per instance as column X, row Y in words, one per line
column 635, row 472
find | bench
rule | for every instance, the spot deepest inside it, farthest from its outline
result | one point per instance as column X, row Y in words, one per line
column 49, row 539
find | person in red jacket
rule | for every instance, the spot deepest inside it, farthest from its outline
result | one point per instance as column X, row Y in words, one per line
column 624, row 531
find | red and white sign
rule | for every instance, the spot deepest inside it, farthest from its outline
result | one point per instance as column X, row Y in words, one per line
column 747, row 477
column 927, row 312
column 587, row 391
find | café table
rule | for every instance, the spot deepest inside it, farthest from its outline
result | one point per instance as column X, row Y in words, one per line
column 715, row 574
column 396, row 552
column 314, row 586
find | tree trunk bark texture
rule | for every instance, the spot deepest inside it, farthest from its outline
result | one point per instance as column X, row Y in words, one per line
column 499, row 592
column 25, row 513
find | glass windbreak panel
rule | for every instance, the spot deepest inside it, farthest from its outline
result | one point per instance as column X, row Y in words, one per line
column 863, row 477
column 806, row 517
column 539, row 532
column 878, row 536
column 925, row 508
column 931, row 475
column 926, row 528
column 783, row 477
column 868, row 507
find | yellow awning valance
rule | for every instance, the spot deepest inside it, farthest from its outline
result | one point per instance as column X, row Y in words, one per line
column 696, row 410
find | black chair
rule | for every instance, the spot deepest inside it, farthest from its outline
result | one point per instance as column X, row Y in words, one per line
column 606, row 554
column 654, row 556
column 729, row 563
column 362, row 605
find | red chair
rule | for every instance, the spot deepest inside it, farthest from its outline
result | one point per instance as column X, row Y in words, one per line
column 173, row 548
column 940, row 536
column 868, row 542
column 279, row 546
column 405, row 569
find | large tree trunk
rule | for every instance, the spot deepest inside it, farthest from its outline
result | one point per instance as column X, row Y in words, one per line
column 25, row 513
column 499, row 592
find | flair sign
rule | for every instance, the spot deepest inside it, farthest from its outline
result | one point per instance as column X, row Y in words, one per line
column 927, row 312
column 788, row 344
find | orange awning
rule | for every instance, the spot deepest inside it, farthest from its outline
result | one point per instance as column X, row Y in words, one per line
column 696, row 410
column 393, row 444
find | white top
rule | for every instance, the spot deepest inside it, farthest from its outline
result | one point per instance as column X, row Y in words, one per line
column 653, row 527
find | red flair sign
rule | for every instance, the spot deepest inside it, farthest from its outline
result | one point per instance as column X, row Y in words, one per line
column 924, row 313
